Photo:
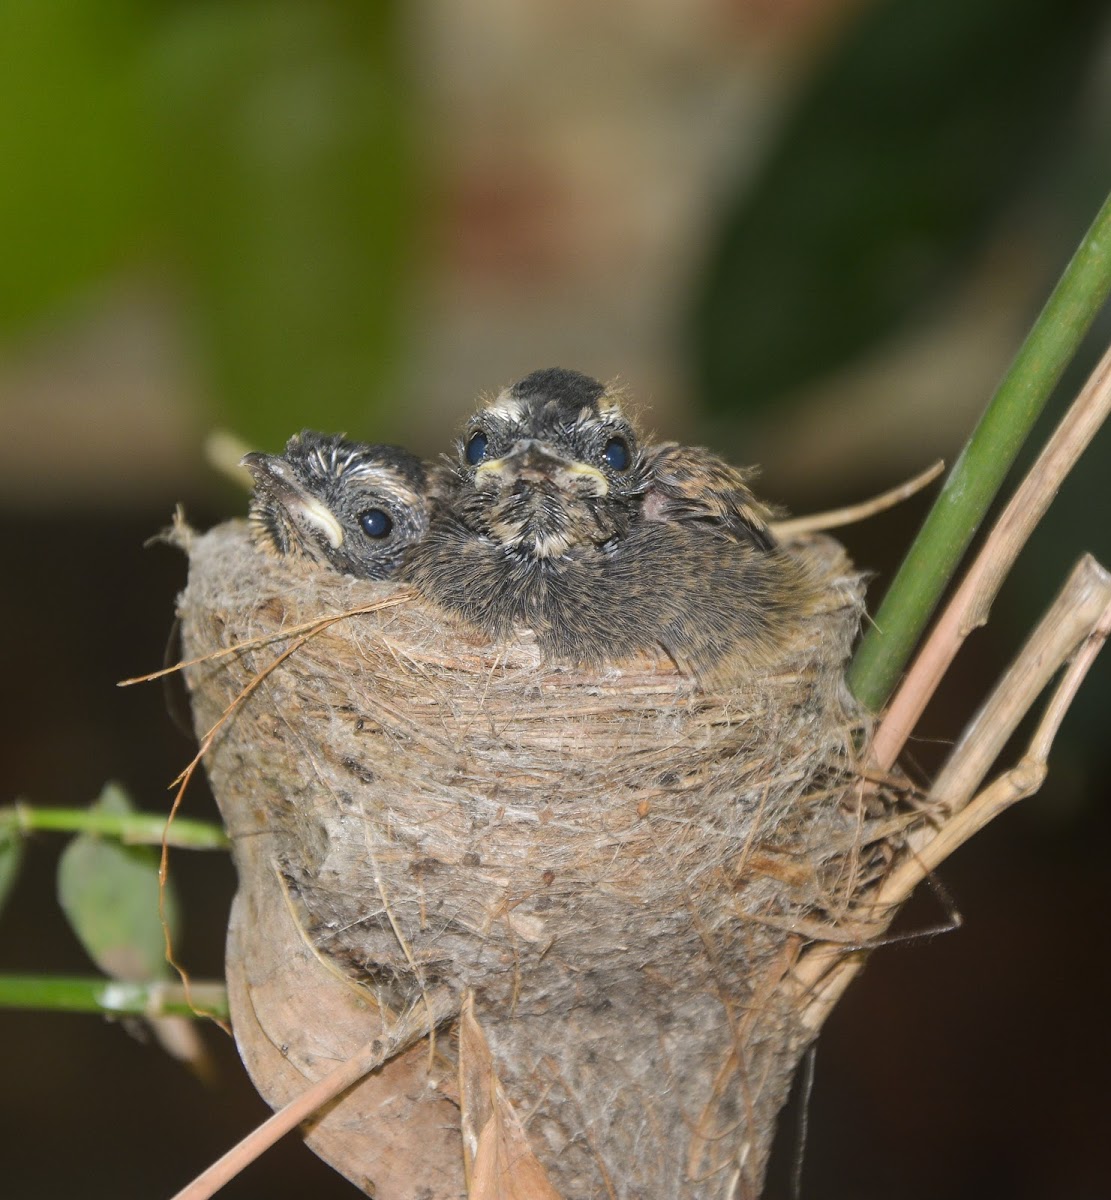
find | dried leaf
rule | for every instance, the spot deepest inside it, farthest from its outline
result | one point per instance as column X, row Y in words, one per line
column 500, row 1163
column 395, row 1134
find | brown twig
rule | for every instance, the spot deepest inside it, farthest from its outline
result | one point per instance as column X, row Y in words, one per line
column 301, row 634
column 973, row 599
column 836, row 517
column 410, row 1028
column 1070, row 619
column 308, row 630
column 266, row 639
column 182, row 782
column 1075, row 627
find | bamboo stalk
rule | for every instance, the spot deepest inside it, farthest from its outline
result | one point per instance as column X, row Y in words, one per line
column 979, row 472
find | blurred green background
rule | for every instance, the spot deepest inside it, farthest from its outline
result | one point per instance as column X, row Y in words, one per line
column 808, row 232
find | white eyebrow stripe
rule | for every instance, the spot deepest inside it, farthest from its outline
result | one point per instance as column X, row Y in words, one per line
column 385, row 480
column 376, row 472
column 505, row 408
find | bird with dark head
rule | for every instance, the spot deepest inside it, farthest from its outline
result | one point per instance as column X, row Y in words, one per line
column 551, row 467
column 352, row 506
column 543, row 489
column 554, row 515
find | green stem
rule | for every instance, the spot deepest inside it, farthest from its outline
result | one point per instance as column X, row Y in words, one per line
column 130, row 828
column 112, row 997
column 979, row 472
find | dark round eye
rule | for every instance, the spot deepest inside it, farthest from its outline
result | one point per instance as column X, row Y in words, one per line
column 375, row 523
column 476, row 447
column 616, row 454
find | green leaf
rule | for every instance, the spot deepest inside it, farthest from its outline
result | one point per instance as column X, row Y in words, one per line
column 287, row 205
column 109, row 893
column 898, row 158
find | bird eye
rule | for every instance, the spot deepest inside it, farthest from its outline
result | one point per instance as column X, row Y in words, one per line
column 476, row 447
column 375, row 523
column 616, row 454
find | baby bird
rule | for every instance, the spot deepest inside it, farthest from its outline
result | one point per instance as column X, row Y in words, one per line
column 553, row 515
column 533, row 513
column 353, row 506
column 741, row 596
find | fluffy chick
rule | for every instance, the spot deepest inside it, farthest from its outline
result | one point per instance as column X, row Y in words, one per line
column 352, row 506
column 537, row 504
column 555, row 516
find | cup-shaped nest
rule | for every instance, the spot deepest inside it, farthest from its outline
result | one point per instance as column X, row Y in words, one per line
column 619, row 865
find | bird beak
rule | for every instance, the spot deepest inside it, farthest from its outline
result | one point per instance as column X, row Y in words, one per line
column 533, row 462
column 274, row 478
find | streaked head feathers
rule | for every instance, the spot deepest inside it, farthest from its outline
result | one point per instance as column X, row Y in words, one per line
column 355, row 506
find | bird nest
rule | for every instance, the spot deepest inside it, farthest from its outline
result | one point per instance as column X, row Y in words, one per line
column 617, row 866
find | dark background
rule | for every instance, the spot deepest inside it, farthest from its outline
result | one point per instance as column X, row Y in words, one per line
column 810, row 234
